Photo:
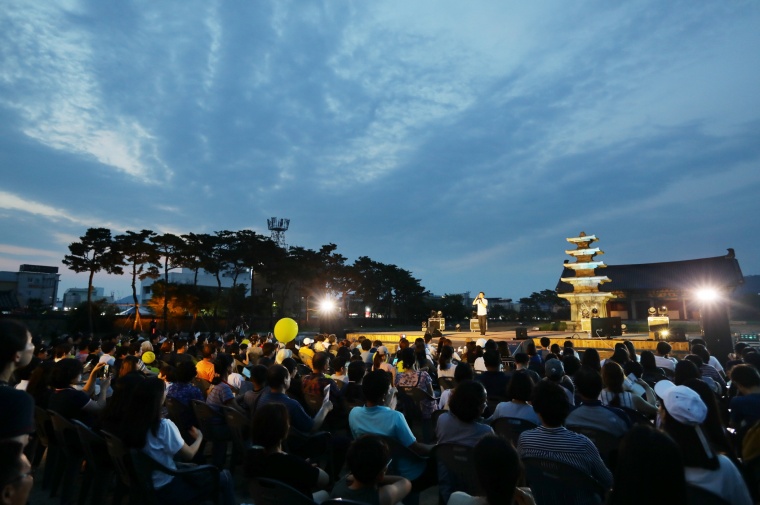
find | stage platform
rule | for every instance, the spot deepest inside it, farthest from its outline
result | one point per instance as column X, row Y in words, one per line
column 581, row 341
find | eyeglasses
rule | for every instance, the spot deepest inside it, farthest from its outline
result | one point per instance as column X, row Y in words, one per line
column 388, row 464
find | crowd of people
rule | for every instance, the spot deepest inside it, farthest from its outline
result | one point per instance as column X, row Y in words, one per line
column 689, row 422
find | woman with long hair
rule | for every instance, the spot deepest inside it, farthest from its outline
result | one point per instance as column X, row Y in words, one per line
column 682, row 416
column 651, row 374
column 143, row 428
column 445, row 366
column 590, row 359
column 614, row 393
column 416, row 378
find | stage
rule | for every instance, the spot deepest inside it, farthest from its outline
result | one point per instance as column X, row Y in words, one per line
column 581, row 341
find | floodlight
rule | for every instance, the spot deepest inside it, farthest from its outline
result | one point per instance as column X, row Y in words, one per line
column 327, row 305
column 708, row 294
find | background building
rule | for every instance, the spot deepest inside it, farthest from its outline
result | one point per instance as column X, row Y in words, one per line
column 32, row 285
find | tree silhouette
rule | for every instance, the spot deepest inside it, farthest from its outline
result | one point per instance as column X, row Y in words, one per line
column 143, row 259
column 171, row 248
column 95, row 251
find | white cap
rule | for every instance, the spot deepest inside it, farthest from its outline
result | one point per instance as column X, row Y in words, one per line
column 481, row 342
column 282, row 355
column 382, row 350
column 682, row 403
column 307, row 341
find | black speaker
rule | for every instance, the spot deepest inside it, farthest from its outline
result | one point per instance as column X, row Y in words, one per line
column 521, row 333
column 606, row 327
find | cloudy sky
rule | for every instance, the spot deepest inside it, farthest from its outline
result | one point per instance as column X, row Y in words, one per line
column 462, row 141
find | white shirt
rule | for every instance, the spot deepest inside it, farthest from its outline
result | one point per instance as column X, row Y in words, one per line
column 482, row 303
column 162, row 448
column 668, row 363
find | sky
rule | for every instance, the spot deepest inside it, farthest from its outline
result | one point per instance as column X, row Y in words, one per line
column 461, row 141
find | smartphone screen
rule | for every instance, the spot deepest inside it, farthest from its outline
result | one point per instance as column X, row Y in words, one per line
column 327, row 392
column 246, row 373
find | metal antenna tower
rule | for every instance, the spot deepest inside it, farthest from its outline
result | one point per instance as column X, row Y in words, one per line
column 278, row 227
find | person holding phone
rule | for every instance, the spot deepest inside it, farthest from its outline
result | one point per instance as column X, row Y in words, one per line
column 481, row 302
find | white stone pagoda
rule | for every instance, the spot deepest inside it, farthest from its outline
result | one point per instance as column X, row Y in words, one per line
column 586, row 302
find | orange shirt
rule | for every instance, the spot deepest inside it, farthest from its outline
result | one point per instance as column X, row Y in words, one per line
column 205, row 370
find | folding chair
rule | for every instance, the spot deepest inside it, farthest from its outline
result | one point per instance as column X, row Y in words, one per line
column 274, row 492
column 456, row 470
column 511, row 427
column 554, row 482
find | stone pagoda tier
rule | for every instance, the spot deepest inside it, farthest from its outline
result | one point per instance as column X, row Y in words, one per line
column 586, row 301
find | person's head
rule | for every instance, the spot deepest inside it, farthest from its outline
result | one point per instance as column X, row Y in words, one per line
column 367, row 459
column 545, row 342
column 613, row 376
column 620, row 354
column 468, row 401
column 746, row 377
column 492, row 360
column 530, row 348
column 128, row 365
column 320, row 360
column 631, row 349
column 258, row 375
column 520, row 387
column 278, row 377
column 185, row 372
column 701, row 351
column 682, row 411
column 366, row 344
column 339, row 364
column 522, row 358
column 550, row 403
column 356, row 371
column 663, row 348
column 222, row 364
column 407, row 358
column 571, row 363
column 498, row 468
column 590, row 359
column 713, row 424
column 268, row 349
column 554, row 370
column 144, row 412
column 463, row 373
column 647, row 361
column 270, row 426
column 376, row 386
column 403, row 343
column 65, row 373
column 16, row 347
column 646, row 447
column 16, row 479
column 555, row 349
column 633, row 367
column 588, row 383
column 208, row 352
column 694, row 359
column 686, row 370
column 108, row 347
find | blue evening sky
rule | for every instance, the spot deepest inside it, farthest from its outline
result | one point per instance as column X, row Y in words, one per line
column 462, row 141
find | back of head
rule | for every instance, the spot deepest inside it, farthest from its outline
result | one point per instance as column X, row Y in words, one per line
column 65, row 372
column 647, row 360
column 545, row 341
column 646, row 447
column 367, row 458
column 571, row 363
column 745, row 376
column 551, row 403
column 356, row 371
column 588, row 383
column 520, row 387
column 143, row 413
column 270, row 425
column 366, row 345
column 686, row 370
column 407, row 357
column 320, row 360
column 491, row 359
column 468, row 400
column 276, row 376
column 185, row 372
column 463, row 373
column 663, row 348
column 375, row 386
column 259, row 375
column 208, row 351
column 701, row 351
column 498, row 468
column 590, row 359
column 521, row 358
column 613, row 376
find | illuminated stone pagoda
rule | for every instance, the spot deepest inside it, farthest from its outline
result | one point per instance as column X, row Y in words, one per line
column 586, row 301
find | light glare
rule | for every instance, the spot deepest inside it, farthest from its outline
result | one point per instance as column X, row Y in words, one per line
column 707, row 295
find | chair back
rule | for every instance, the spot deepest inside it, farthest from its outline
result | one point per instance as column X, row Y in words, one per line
column 446, row 383
column 143, row 466
column 456, row 467
column 554, row 482
column 44, row 426
column 206, row 417
column 398, row 452
column 606, row 443
column 66, row 434
column 119, row 457
column 273, row 492
column 240, row 427
column 94, row 447
column 181, row 415
column 202, row 384
column 511, row 427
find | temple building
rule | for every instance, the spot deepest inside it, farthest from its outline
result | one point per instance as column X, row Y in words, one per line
column 674, row 285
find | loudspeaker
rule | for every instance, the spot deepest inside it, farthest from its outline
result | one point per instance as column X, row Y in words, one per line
column 606, row 327
column 521, row 333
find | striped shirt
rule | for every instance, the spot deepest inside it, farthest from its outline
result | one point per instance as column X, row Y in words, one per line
column 626, row 399
column 565, row 446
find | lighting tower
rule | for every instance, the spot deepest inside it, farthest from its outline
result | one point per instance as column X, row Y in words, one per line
column 278, row 227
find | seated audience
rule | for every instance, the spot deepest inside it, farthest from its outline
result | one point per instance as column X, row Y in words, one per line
column 461, row 374
column 520, row 390
column 368, row 459
column 615, row 395
column 70, row 402
column 590, row 413
column 410, row 377
column 493, row 379
column 745, row 408
column 278, row 382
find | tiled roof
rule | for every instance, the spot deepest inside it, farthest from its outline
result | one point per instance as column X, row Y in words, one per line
column 721, row 271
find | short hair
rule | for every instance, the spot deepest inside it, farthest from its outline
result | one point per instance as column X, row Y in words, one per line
column 498, row 468
column 355, row 371
column 13, row 339
column 268, row 348
column 545, row 341
column 745, row 375
column 208, row 350
column 701, row 351
column 320, row 360
column 107, row 346
column 367, row 457
column 276, row 376
column 697, row 360
column 663, row 348
column 522, row 358
column 686, row 370
column 366, row 344
column 185, row 372
column 571, row 363
column 520, row 387
column 491, row 359
column 550, row 402
column 339, row 362
column 463, row 372
column 270, row 425
column 258, row 374
column 290, row 364
column 375, row 386
column 588, row 383
column 467, row 401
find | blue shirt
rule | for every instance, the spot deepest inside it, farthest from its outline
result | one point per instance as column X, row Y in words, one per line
column 299, row 419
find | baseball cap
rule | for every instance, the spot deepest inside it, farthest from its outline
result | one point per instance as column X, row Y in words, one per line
column 382, row 350
column 682, row 403
column 554, row 369
column 282, row 354
column 307, row 341
column 481, row 342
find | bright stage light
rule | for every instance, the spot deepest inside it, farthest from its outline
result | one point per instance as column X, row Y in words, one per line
column 327, row 305
column 665, row 333
column 708, row 294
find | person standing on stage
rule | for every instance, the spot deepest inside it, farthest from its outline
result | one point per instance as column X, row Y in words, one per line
column 482, row 303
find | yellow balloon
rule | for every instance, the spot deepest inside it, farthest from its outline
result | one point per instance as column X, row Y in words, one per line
column 285, row 330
